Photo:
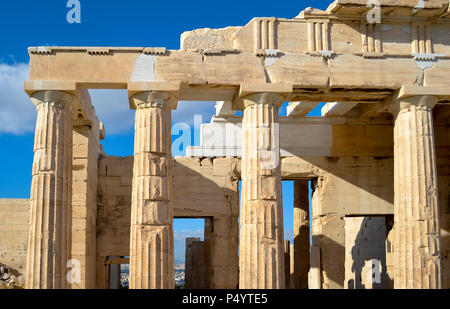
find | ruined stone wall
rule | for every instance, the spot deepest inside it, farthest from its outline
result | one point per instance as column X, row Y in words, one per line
column 346, row 187
column 14, row 229
column 209, row 188
column 202, row 189
column 361, row 187
column 113, row 212
column 353, row 187
column 343, row 187
column 196, row 265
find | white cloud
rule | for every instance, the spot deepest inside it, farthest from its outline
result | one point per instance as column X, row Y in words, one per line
column 113, row 110
column 17, row 112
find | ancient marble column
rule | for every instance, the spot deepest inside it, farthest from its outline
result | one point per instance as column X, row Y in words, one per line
column 151, row 240
column 261, row 257
column 301, row 234
column 49, row 243
column 417, row 247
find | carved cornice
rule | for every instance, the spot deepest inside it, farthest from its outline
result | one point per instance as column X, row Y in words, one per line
column 160, row 51
column 98, row 51
column 221, row 51
column 41, row 50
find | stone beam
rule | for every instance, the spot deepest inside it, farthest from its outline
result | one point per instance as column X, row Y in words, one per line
column 300, row 109
column 372, row 110
column 406, row 91
column 441, row 94
column 219, row 78
column 224, row 108
column 303, row 136
column 337, row 109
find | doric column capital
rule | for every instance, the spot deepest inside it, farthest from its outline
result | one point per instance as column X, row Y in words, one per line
column 274, row 99
column 158, row 99
column 422, row 102
column 58, row 99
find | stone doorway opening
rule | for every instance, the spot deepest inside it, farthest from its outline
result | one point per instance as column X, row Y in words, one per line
column 297, row 209
column 192, row 252
column 117, row 272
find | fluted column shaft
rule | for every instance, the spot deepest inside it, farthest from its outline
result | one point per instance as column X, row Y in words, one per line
column 417, row 246
column 49, row 241
column 151, row 239
column 261, row 256
column 301, row 234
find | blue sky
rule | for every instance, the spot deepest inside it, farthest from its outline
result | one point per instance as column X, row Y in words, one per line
column 25, row 23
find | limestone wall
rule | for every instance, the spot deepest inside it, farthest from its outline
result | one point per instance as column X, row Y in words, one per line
column 209, row 188
column 86, row 149
column 343, row 187
column 365, row 253
column 363, row 187
column 202, row 189
column 346, row 187
column 14, row 229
